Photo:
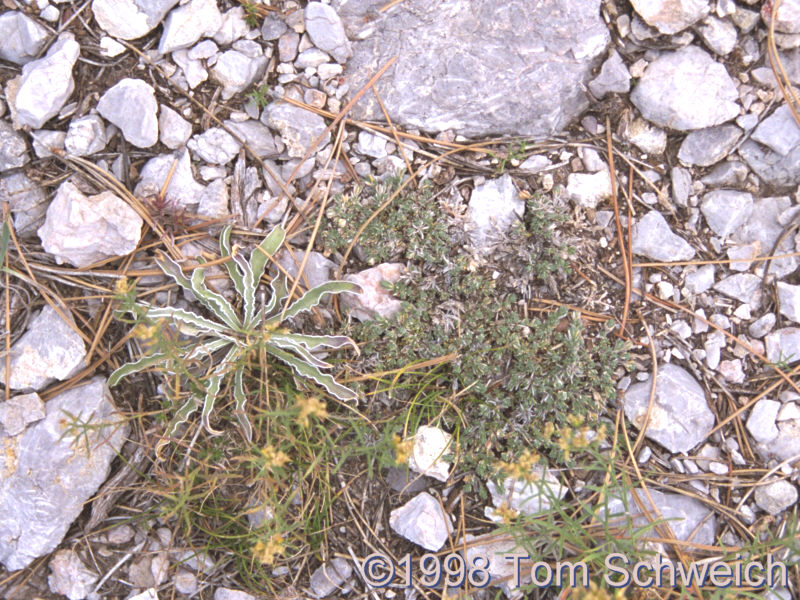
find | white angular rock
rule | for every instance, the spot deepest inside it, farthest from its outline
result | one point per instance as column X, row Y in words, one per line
column 214, row 201
column 193, row 70
column 422, row 521
column 298, row 127
column 27, row 201
column 700, row 280
column 588, row 189
column 131, row 105
column 49, row 349
column 776, row 497
column 652, row 237
column 783, row 345
column 527, row 497
column 431, row 444
column 761, row 422
column 685, row 90
column 182, row 190
column 326, row 31
column 317, row 269
column 22, row 37
column 787, row 17
column 789, row 301
column 329, row 577
column 646, row 137
column 233, row 27
column 85, row 136
column 680, row 418
column 111, row 47
column 173, row 129
column 82, row 230
column 236, row 71
column 706, row 147
column 44, row 140
column 46, row 83
column 779, row 131
column 19, row 412
column 671, row 16
column 214, row 145
column 257, row 136
column 188, row 23
column 744, row 287
column 762, row 326
column 718, row 34
column 371, row 144
column 726, row 210
column 148, row 594
column 493, row 208
column 374, row 300
column 765, row 227
column 13, row 149
column 614, row 77
column 69, row 576
column 130, row 19
column 57, row 468
column 229, row 594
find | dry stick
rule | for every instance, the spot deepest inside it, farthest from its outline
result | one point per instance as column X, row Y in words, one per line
column 105, row 321
column 653, row 376
column 775, row 60
column 7, row 222
column 356, row 97
column 392, row 127
column 620, row 237
column 719, row 261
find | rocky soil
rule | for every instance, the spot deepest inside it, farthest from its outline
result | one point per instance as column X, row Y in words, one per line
column 211, row 111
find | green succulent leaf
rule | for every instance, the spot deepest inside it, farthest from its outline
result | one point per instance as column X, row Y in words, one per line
column 314, row 296
column 137, row 366
column 313, row 373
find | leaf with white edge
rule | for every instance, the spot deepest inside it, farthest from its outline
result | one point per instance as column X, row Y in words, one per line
column 264, row 251
column 193, row 320
column 173, row 269
column 314, row 296
column 311, row 372
column 136, row 366
column 280, row 291
column 241, row 399
column 212, row 389
column 314, row 342
column 225, row 249
column 206, row 350
column 180, row 417
column 288, row 344
column 215, row 302
column 249, row 294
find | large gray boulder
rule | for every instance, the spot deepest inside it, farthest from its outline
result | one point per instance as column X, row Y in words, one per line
column 478, row 67
column 52, row 468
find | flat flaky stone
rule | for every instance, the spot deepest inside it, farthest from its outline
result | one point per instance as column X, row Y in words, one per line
column 49, row 349
column 130, row 19
column 48, row 472
column 515, row 59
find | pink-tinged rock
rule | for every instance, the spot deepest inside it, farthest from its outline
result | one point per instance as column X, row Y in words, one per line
column 374, row 300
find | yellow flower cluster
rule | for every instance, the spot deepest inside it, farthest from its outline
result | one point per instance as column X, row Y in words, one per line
column 273, row 458
column 402, row 449
column 266, row 552
column 310, row 406
column 523, row 468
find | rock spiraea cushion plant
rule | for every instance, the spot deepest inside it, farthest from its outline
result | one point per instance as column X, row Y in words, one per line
column 237, row 335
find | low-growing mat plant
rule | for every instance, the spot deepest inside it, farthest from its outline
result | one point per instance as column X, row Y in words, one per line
column 238, row 336
column 516, row 375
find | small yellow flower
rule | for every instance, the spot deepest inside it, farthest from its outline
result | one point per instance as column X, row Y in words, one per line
column 310, row 406
column 122, row 286
column 146, row 333
column 402, row 449
column 575, row 420
column 549, row 429
column 508, row 514
column 273, row 458
column 265, row 552
column 523, row 468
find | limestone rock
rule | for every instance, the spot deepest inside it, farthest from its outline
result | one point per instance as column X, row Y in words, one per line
column 680, row 418
column 613, row 77
column 326, row 31
column 22, row 37
column 527, row 497
column 726, row 210
column 85, row 136
column 130, row 19
column 13, row 150
column 422, row 521
column 493, row 207
column 257, row 136
column 214, row 145
column 685, row 90
column 131, row 105
column 173, row 129
column 69, row 576
column 55, row 470
column 188, row 23
column 671, row 16
column 19, row 412
column 46, row 83
column 183, row 190
column 431, row 445
column 329, row 577
column 82, row 230
column 298, row 127
column 493, row 88
column 236, row 71
column 374, row 300
column 706, row 147
column 776, row 497
column 27, row 201
column 588, row 189
column 652, row 237
column 787, row 18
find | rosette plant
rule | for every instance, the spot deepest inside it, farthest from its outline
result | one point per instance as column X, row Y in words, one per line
column 237, row 335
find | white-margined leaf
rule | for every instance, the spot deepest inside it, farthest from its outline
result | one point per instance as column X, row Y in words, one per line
column 288, row 344
column 181, row 416
column 193, row 320
column 311, row 372
column 225, row 249
column 145, row 362
column 314, row 296
column 241, row 399
column 216, row 303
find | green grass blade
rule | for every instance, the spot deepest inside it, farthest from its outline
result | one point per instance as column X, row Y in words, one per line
column 311, row 372
column 234, row 272
column 241, row 399
column 135, row 367
column 314, row 296
column 215, row 302
column 5, row 236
